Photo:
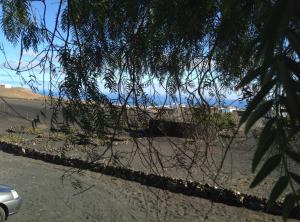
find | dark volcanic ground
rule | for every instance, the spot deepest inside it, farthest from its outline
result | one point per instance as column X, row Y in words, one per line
column 56, row 193
column 114, row 199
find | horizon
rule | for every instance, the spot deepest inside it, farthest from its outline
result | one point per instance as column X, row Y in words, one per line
column 157, row 100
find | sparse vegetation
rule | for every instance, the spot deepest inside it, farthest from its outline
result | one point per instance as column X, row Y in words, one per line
column 12, row 138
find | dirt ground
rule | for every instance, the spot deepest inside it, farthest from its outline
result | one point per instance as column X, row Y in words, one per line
column 150, row 204
column 19, row 93
column 54, row 193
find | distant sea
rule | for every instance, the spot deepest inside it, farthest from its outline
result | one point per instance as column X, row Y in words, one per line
column 161, row 100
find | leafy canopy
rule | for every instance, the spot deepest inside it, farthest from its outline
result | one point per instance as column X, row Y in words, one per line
column 187, row 46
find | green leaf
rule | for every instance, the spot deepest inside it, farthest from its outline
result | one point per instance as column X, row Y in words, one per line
column 228, row 5
column 292, row 98
column 295, row 177
column 278, row 189
column 292, row 66
column 293, row 155
column 252, row 75
column 294, row 40
column 266, row 139
column 266, row 169
column 288, row 205
column 257, row 99
column 259, row 112
column 275, row 28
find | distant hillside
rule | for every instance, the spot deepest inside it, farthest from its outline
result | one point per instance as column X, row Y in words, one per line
column 19, row 93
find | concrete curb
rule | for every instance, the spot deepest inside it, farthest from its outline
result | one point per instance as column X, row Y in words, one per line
column 190, row 188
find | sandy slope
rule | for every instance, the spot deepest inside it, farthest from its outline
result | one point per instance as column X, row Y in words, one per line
column 19, row 93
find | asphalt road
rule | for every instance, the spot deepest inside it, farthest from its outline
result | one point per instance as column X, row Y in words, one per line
column 56, row 193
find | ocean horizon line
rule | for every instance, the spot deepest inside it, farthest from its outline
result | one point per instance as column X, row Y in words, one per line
column 159, row 100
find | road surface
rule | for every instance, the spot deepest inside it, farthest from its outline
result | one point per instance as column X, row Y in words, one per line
column 56, row 193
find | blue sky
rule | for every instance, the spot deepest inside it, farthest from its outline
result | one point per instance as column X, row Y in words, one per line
column 13, row 51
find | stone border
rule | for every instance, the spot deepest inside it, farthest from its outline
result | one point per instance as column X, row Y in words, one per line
column 190, row 188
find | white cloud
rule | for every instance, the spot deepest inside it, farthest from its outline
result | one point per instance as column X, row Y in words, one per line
column 30, row 53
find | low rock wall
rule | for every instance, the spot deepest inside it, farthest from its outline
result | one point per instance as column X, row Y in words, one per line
column 191, row 188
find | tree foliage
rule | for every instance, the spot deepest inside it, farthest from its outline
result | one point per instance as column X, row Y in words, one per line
column 187, row 46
